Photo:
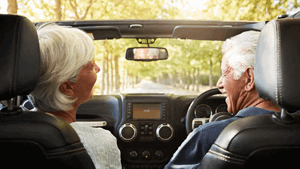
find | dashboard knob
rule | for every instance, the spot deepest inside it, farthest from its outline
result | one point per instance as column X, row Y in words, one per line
column 133, row 154
column 164, row 132
column 146, row 155
column 159, row 154
column 127, row 132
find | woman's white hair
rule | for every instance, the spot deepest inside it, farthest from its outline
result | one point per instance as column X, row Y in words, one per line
column 239, row 52
column 64, row 51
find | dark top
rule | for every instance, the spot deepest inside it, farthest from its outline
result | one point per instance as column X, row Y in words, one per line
column 198, row 142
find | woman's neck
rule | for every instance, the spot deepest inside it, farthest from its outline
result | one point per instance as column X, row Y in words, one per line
column 68, row 116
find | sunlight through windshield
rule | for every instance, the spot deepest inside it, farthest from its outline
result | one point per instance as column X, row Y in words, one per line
column 192, row 67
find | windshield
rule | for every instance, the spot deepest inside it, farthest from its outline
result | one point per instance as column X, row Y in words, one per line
column 192, row 67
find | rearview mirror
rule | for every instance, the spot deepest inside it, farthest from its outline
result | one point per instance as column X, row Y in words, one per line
column 146, row 54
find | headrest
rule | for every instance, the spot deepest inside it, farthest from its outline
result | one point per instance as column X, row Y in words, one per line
column 277, row 70
column 19, row 58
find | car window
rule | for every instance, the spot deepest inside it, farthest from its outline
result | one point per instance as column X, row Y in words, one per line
column 186, row 71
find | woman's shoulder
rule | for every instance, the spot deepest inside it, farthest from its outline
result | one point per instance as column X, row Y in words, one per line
column 86, row 128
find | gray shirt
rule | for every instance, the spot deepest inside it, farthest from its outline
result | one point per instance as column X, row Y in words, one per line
column 100, row 144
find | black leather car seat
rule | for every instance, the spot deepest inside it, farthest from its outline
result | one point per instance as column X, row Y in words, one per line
column 267, row 141
column 30, row 139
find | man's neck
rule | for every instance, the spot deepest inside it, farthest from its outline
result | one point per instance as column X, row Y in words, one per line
column 252, row 99
column 269, row 106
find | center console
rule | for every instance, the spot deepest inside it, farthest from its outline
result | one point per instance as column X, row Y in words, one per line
column 145, row 131
column 146, row 122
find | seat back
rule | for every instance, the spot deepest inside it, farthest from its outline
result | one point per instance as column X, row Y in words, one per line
column 255, row 142
column 31, row 139
column 267, row 141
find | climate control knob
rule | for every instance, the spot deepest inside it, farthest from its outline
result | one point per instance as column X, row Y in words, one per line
column 159, row 154
column 133, row 154
column 164, row 132
column 127, row 132
column 146, row 155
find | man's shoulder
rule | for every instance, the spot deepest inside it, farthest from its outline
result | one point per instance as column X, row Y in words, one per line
column 214, row 125
column 220, row 125
column 253, row 111
column 213, row 129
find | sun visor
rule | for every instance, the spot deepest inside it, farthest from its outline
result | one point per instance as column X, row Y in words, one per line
column 102, row 32
column 218, row 33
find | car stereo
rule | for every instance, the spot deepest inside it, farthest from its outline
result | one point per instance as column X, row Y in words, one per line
column 146, row 111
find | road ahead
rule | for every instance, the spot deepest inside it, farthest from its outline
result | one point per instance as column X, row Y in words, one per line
column 151, row 87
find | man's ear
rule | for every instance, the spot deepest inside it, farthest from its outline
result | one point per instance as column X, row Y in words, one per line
column 67, row 88
column 249, row 72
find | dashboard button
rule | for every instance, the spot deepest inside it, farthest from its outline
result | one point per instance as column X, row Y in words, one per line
column 198, row 122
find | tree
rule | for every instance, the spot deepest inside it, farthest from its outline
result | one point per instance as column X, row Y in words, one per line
column 12, row 7
column 76, row 8
column 58, row 13
column 253, row 10
column 190, row 62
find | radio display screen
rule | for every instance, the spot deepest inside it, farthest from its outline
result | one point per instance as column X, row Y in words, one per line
column 146, row 111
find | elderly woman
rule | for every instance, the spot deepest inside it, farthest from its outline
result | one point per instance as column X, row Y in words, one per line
column 68, row 74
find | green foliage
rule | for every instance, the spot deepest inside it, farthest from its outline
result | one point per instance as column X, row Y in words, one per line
column 184, row 55
column 204, row 79
column 251, row 10
column 45, row 10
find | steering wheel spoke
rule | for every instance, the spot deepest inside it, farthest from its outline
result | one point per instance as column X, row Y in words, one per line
column 198, row 122
column 189, row 118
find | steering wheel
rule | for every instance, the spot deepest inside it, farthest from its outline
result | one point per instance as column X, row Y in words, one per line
column 189, row 115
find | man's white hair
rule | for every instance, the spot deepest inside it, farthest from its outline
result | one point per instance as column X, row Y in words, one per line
column 239, row 52
column 64, row 51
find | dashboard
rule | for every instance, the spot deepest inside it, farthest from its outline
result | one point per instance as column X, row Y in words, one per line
column 149, row 127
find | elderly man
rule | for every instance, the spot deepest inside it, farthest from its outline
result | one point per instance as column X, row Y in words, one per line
column 237, row 82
